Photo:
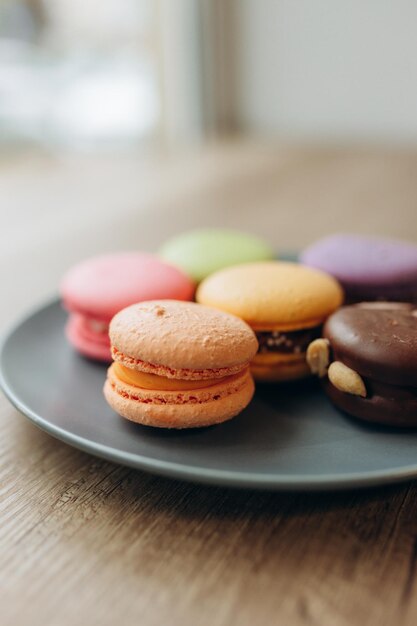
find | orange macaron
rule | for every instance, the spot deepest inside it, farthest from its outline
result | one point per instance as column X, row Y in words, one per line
column 285, row 304
column 179, row 364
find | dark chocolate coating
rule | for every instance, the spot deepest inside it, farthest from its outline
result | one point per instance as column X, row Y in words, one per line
column 384, row 404
column 377, row 340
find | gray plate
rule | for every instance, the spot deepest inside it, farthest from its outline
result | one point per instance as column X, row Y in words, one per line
column 289, row 438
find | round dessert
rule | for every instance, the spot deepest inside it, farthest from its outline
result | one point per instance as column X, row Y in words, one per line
column 284, row 303
column 179, row 364
column 94, row 290
column 367, row 360
column 201, row 252
column 369, row 268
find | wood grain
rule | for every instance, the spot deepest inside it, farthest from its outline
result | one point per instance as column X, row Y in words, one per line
column 86, row 541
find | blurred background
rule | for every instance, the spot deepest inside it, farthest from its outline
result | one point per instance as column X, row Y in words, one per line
column 125, row 121
column 121, row 73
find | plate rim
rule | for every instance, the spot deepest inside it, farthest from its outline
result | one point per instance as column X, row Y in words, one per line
column 191, row 473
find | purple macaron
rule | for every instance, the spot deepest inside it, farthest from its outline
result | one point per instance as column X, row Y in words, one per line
column 369, row 268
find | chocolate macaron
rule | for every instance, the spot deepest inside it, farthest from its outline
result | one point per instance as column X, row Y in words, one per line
column 179, row 364
column 367, row 359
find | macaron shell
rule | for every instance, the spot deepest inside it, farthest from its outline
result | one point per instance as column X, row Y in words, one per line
column 181, row 336
column 272, row 359
column 359, row 260
column 92, row 345
column 179, row 410
column 102, row 286
column 273, row 294
column 292, row 370
column 201, row 252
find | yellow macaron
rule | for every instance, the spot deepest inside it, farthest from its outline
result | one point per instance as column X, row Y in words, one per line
column 286, row 305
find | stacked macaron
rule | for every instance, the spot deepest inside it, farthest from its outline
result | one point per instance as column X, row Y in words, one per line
column 367, row 360
column 284, row 303
column 368, row 268
column 179, row 364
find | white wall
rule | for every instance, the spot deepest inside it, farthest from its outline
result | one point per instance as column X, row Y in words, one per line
column 331, row 69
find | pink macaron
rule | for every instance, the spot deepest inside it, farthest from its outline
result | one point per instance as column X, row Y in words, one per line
column 94, row 290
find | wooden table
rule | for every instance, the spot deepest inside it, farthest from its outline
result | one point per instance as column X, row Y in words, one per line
column 83, row 541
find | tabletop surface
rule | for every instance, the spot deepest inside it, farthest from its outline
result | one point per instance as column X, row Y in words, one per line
column 85, row 541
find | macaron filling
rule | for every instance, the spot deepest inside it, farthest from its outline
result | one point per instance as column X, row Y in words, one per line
column 145, row 380
column 287, row 342
column 179, row 373
column 180, row 393
column 84, row 332
column 281, row 350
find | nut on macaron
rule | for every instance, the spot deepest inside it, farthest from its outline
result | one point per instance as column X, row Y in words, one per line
column 179, row 364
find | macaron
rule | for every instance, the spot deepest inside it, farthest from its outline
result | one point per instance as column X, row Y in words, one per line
column 284, row 303
column 369, row 268
column 199, row 253
column 367, row 360
column 94, row 290
column 179, row 364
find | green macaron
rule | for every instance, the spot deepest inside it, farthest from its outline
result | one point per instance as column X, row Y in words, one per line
column 201, row 252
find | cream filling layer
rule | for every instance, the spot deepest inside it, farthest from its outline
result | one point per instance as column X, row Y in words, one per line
column 145, row 380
